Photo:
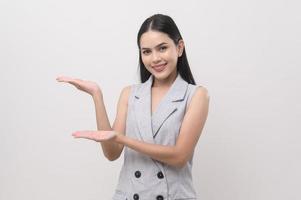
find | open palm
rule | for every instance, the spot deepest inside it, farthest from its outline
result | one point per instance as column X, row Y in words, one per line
column 83, row 85
column 98, row 136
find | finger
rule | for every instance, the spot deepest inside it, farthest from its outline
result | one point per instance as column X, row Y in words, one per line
column 63, row 78
column 83, row 135
column 68, row 79
column 73, row 81
column 95, row 135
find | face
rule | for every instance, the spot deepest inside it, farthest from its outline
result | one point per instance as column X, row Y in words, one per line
column 160, row 54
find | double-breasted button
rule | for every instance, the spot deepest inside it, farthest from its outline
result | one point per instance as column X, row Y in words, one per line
column 160, row 197
column 160, row 175
column 137, row 174
column 136, row 197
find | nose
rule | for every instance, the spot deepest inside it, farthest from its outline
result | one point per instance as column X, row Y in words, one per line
column 156, row 58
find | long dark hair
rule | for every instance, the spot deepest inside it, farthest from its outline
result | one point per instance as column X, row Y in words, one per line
column 164, row 24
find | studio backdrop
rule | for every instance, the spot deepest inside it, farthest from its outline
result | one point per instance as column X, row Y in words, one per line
column 246, row 53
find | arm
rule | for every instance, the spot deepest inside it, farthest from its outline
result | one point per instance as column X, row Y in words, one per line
column 190, row 132
column 176, row 155
column 111, row 149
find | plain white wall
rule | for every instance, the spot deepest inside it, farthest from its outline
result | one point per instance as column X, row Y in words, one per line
column 247, row 54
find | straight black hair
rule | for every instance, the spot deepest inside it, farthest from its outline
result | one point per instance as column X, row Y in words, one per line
column 164, row 24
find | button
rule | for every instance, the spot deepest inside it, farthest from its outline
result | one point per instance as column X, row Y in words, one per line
column 160, row 175
column 137, row 174
column 136, row 197
column 160, row 197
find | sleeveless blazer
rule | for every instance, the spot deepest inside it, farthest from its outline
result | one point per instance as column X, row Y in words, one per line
column 141, row 177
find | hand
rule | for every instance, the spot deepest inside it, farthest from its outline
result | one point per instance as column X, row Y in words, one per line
column 83, row 85
column 98, row 136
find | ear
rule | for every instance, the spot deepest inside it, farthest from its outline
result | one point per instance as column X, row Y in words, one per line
column 180, row 47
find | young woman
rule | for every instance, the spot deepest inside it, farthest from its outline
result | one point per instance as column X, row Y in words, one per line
column 158, row 122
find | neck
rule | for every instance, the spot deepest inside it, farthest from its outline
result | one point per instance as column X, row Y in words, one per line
column 167, row 82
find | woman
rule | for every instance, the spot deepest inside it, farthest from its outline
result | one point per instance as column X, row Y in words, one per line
column 158, row 122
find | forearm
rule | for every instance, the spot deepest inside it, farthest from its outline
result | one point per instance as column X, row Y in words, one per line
column 102, row 120
column 167, row 154
column 110, row 149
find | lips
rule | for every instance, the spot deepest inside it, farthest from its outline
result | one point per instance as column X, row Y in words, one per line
column 159, row 68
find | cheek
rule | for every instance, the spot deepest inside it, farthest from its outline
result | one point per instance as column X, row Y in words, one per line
column 172, row 58
column 145, row 61
column 171, row 55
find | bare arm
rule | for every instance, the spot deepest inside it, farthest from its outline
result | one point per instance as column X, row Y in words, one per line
column 176, row 155
column 190, row 132
column 111, row 150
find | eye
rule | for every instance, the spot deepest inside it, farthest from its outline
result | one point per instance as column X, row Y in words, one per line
column 163, row 48
column 145, row 52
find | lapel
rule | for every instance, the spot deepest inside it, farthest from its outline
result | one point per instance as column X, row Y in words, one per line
column 142, row 110
column 169, row 104
column 148, row 125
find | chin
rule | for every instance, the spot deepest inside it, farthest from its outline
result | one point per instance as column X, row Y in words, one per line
column 161, row 76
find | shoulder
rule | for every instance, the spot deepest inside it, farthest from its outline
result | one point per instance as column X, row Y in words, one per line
column 125, row 93
column 201, row 92
column 131, row 90
column 200, row 96
column 126, row 90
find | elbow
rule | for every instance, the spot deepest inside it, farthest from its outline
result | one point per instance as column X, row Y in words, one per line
column 179, row 161
column 112, row 157
column 180, row 164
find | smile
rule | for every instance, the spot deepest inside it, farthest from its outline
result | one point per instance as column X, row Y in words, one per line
column 159, row 68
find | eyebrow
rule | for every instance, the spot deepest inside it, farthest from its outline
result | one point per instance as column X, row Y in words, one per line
column 155, row 46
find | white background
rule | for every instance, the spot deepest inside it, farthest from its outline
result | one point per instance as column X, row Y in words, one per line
column 246, row 53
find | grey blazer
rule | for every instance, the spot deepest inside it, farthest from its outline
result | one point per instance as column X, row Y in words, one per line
column 141, row 177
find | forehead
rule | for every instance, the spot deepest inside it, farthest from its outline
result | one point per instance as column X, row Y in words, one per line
column 151, row 39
